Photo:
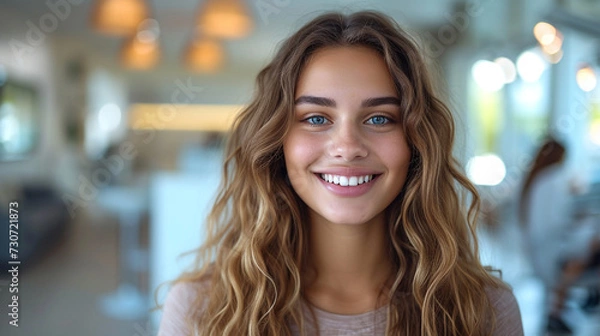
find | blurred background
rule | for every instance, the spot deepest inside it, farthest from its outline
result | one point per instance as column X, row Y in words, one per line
column 113, row 112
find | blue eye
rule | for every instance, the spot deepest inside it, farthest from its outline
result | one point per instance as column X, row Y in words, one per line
column 316, row 120
column 378, row 120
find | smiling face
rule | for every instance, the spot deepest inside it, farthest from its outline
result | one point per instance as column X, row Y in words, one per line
column 346, row 154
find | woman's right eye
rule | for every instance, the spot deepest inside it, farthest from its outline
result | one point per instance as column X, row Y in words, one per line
column 316, row 120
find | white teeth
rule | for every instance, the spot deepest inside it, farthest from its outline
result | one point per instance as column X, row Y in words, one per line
column 346, row 181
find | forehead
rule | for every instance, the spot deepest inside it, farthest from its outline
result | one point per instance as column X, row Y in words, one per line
column 339, row 69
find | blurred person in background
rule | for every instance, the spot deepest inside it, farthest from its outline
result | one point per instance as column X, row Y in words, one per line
column 561, row 247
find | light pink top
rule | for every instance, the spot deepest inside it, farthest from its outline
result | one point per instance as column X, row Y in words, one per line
column 181, row 296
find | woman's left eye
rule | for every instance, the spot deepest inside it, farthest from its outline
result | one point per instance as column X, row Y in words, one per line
column 378, row 120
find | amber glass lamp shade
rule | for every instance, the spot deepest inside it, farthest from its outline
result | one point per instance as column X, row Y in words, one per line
column 139, row 53
column 118, row 17
column 226, row 19
column 204, row 55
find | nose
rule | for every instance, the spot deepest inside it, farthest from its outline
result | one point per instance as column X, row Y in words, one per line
column 347, row 142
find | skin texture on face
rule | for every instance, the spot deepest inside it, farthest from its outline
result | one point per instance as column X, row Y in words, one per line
column 346, row 126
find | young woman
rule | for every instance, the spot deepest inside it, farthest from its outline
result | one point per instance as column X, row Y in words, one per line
column 341, row 209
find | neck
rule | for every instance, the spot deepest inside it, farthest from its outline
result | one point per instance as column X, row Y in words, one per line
column 349, row 265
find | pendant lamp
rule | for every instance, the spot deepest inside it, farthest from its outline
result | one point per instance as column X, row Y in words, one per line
column 142, row 50
column 227, row 19
column 118, row 17
column 204, row 55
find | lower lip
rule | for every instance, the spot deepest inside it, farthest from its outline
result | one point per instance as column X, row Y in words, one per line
column 349, row 191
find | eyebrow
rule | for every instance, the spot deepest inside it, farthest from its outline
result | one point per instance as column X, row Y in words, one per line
column 372, row 102
column 328, row 102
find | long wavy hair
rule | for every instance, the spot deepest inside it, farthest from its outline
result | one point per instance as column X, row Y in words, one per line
column 256, row 249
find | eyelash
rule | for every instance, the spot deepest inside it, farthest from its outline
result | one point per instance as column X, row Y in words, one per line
column 311, row 120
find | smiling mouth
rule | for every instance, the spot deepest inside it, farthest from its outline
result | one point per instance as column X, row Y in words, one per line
column 347, row 181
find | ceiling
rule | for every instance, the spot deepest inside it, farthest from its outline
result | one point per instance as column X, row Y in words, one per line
column 176, row 20
column 245, row 57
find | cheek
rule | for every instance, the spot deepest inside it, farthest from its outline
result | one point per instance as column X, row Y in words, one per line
column 400, row 158
column 299, row 151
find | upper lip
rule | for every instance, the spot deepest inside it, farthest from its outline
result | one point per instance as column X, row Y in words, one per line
column 347, row 171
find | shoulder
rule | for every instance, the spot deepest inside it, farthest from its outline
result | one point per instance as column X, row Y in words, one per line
column 181, row 302
column 508, row 314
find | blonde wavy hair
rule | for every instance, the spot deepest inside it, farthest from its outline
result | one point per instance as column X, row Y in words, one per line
column 256, row 249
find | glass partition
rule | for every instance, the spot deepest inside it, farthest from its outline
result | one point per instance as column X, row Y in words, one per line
column 19, row 119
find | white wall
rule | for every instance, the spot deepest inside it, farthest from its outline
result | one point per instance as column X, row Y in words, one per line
column 179, row 204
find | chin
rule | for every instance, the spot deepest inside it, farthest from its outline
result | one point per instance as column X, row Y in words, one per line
column 348, row 219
